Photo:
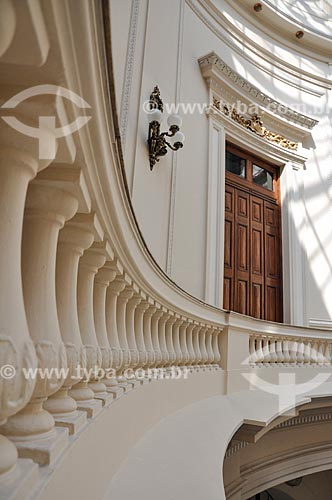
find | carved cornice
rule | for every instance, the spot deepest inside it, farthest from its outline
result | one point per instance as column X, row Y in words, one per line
column 234, row 447
column 213, row 67
column 305, row 420
column 255, row 125
column 317, row 417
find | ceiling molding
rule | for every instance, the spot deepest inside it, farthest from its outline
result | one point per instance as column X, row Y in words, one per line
column 265, row 60
column 323, row 21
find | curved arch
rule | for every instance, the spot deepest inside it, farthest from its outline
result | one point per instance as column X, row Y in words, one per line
column 182, row 456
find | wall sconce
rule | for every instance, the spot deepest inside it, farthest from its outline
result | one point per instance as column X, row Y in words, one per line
column 157, row 141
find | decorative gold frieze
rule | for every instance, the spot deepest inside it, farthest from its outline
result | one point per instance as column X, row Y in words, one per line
column 255, row 124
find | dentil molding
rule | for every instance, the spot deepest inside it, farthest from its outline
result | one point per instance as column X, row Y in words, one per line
column 212, row 66
column 241, row 108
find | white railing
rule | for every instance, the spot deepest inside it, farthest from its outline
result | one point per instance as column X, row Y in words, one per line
column 288, row 351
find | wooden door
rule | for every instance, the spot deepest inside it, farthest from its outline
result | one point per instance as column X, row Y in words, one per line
column 252, row 261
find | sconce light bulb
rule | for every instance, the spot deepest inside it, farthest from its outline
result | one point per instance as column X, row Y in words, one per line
column 174, row 120
column 179, row 137
column 155, row 115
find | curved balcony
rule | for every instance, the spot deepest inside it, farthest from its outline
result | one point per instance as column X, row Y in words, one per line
column 104, row 345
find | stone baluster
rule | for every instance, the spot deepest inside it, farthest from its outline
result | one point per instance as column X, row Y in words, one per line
column 147, row 332
column 104, row 277
column 130, row 326
column 80, row 232
column 202, row 345
column 154, row 335
column 266, row 351
column 125, row 293
column 300, row 352
column 92, row 260
column 259, row 351
column 190, row 344
column 273, row 353
column 306, row 353
column 286, row 351
column 314, row 352
column 252, row 350
column 327, row 353
column 198, row 354
column 169, row 339
column 139, row 321
column 279, row 352
column 216, row 339
column 162, row 338
column 176, row 338
column 293, row 351
column 112, row 327
column 17, row 168
column 321, row 353
column 72, row 242
column 183, row 342
column 47, row 209
column 209, row 349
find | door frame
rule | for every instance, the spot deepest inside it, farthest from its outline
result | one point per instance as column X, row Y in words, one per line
column 291, row 165
column 246, row 188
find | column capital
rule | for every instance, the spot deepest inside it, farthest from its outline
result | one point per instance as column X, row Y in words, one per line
column 105, row 275
column 50, row 202
column 75, row 237
column 126, row 294
column 92, row 261
column 90, row 223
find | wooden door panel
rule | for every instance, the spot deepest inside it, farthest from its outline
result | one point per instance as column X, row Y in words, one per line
column 257, row 243
column 242, row 245
column 273, row 303
column 273, row 281
column 242, row 252
column 229, row 248
column 257, row 264
column 257, row 210
column 242, row 296
column 252, row 272
column 242, row 204
column 271, row 255
column 257, row 301
column 228, row 293
column 229, row 197
column 228, row 254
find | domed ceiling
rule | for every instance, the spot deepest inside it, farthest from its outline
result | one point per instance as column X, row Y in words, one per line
column 315, row 15
column 304, row 24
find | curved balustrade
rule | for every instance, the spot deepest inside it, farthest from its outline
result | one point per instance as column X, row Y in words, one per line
column 267, row 350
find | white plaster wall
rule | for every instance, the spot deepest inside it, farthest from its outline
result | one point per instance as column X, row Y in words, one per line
column 170, row 202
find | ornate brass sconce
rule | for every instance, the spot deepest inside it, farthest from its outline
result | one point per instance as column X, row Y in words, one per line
column 157, row 141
